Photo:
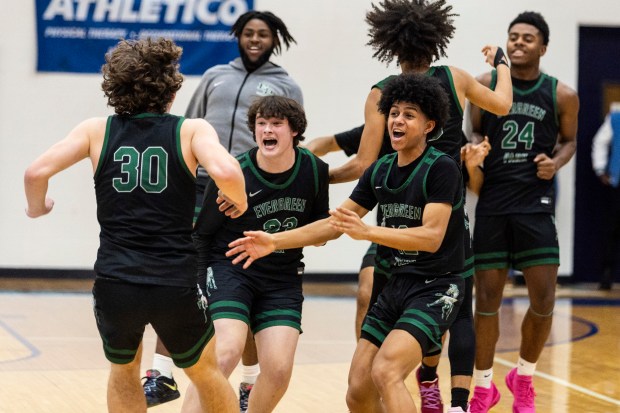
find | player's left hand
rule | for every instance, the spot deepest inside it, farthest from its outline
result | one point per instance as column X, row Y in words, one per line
column 494, row 55
column 254, row 245
column 545, row 167
column 348, row 222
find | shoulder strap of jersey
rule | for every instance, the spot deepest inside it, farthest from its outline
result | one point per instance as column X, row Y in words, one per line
column 430, row 159
column 177, row 139
column 104, row 147
column 381, row 84
column 244, row 159
column 554, row 92
column 445, row 73
column 315, row 169
column 389, row 158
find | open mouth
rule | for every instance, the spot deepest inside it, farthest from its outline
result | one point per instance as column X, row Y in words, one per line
column 270, row 143
column 397, row 134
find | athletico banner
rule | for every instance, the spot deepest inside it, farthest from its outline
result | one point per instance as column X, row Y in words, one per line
column 74, row 35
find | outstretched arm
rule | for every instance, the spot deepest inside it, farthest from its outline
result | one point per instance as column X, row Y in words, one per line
column 257, row 244
column 427, row 237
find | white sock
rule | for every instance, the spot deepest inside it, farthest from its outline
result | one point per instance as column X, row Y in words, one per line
column 163, row 364
column 525, row 368
column 483, row 378
column 249, row 373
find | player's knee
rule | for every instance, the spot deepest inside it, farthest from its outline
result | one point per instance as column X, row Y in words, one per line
column 279, row 375
column 356, row 397
column 488, row 299
column 543, row 303
column 384, row 376
column 228, row 357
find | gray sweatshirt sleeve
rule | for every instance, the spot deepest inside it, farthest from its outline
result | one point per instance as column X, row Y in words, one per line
column 295, row 92
column 197, row 107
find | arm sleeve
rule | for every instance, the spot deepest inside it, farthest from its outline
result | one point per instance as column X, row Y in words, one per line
column 444, row 182
column 600, row 147
column 350, row 140
column 363, row 193
column 210, row 218
column 209, row 221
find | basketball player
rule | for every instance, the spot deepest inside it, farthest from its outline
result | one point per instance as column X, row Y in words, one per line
column 143, row 161
column 222, row 98
column 515, row 225
column 287, row 188
column 416, row 33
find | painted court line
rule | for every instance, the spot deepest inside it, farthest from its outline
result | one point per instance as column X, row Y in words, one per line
column 564, row 383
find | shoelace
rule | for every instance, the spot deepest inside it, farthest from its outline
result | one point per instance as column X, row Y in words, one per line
column 430, row 397
column 477, row 402
column 526, row 393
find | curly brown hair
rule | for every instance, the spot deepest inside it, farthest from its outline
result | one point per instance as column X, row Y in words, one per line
column 279, row 107
column 416, row 31
column 142, row 76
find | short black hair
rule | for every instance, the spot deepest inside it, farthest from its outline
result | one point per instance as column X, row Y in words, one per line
column 534, row 19
column 416, row 31
column 276, row 25
column 279, row 107
column 422, row 90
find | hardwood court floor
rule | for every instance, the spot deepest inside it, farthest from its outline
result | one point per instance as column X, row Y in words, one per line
column 51, row 358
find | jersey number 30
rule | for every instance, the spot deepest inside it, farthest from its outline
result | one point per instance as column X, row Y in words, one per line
column 148, row 169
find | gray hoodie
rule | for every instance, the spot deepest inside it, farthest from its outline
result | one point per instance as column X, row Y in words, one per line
column 225, row 94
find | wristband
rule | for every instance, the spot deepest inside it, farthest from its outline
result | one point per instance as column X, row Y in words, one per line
column 500, row 58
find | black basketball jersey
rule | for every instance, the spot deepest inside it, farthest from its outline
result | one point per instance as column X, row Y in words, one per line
column 276, row 202
column 402, row 194
column 449, row 140
column 145, row 202
column 532, row 127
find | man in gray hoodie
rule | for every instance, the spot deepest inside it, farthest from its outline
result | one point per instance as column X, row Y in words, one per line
column 223, row 97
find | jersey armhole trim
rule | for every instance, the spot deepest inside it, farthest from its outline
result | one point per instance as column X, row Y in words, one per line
column 455, row 96
column 179, row 148
column 104, row 147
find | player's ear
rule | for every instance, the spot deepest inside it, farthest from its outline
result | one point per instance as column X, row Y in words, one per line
column 543, row 50
column 430, row 125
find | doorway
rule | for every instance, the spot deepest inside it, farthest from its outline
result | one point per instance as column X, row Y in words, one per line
column 598, row 86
